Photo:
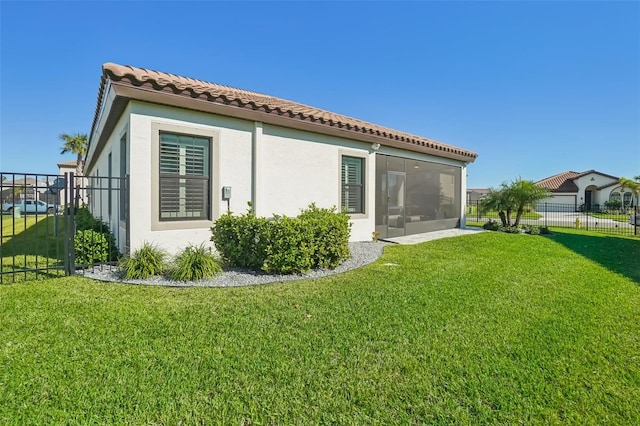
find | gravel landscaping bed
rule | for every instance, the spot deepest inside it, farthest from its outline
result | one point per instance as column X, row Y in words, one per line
column 362, row 253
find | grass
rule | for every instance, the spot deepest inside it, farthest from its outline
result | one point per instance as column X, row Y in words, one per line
column 31, row 242
column 472, row 212
column 489, row 328
column 617, row 217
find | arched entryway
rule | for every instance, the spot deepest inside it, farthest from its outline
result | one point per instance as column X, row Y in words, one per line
column 589, row 197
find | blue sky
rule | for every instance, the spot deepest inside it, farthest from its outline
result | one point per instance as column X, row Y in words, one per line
column 536, row 88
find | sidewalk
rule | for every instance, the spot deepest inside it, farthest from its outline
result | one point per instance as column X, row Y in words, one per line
column 435, row 235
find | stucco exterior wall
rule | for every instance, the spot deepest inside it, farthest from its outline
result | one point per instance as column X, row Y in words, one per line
column 299, row 168
column 279, row 170
column 234, row 170
column 97, row 197
column 594, row 181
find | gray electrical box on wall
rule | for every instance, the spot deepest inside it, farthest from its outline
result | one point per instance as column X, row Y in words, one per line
column 226, row 192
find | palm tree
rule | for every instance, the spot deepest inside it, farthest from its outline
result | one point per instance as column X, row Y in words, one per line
column 76, row 144
column 499, row 199
column 513, row 197
column 631, row 185
column 526, row 193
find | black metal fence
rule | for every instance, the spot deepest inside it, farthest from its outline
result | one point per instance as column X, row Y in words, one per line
column 620, row 221
column 55, row 225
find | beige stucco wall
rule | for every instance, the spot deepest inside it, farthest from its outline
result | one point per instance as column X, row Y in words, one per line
column 292, row 169
column 98, row 199
column 234, row 170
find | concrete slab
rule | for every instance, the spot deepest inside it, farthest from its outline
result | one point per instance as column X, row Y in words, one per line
column 428, row 236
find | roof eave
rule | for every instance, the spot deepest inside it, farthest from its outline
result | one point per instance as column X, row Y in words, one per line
column 130, row 92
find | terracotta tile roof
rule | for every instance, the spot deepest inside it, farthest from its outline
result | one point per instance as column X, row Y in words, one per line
column 70, row 163
column 235, row 99
column 597, row 173
column 562, row 182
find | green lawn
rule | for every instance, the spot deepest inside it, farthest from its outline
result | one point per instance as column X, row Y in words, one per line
column 616, row 217
column 472, row 213
column 31, row 242
column 490, row 328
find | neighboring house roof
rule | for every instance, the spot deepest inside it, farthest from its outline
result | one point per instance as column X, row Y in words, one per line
column 564, row 182
column 169, row 89
column 478, row 190
column 20, row 182
column 609, row 185
column 70, row 163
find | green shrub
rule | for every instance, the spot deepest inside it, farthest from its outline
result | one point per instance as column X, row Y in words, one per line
column 510, row 229
column 613, row 204
column 194, row 263
column 86, row 221
column 90, row 247
column 491, row 225
column 317, row 238
column 544, row 230
column 291, row 247
column 241, row 240
column 145, row 262
column 531, row 229
column 331, row 231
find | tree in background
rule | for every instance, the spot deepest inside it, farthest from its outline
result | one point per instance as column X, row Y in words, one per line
column 515, row 196
column 76, row 144
column 633, row 185
column 498, row 199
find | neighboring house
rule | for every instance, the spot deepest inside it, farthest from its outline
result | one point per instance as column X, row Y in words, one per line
column 476, row 194
column 589, row 190
column 19, row 189
column 67, row 167
column 79, row 181
column 194, row 149
column 27, row 188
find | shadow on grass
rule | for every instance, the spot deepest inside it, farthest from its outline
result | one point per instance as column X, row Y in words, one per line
column 27, row 237
column 621, row 255
column 31, row 248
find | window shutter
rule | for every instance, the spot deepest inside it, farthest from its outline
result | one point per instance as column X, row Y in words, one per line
column 184, row 177
column 352, row 184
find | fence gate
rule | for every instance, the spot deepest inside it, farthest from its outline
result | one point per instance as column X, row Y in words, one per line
column 55, row 225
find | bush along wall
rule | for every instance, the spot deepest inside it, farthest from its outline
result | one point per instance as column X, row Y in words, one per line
column 93, row 240
column 317, row 238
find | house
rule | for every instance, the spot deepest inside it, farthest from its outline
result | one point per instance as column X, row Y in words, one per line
column 23, row 187
column 18, row 187
column 588, row 190
column 80, row 182
column 476, row 194
column 194, row 149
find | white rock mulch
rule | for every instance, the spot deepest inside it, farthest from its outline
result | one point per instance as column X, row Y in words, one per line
column 362, row 253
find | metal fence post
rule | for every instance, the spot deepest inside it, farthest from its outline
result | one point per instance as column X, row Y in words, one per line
column 586, row 213
column 71, row 226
